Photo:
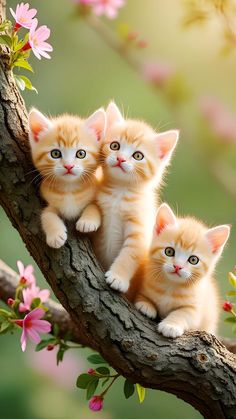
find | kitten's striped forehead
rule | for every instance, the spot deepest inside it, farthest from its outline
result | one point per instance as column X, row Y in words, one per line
column 68, row 134
column 135, row 132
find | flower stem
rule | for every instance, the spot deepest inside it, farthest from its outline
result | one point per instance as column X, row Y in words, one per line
column 111, row 383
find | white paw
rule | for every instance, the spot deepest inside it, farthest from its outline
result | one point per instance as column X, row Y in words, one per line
column 146, row 309
column 116, row 282
column 57, row 240
column 87, row 226
column 170, row 330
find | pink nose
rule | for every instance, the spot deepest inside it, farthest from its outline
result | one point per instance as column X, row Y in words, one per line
column 68, row 167
column 120, row 159
column 177, row 268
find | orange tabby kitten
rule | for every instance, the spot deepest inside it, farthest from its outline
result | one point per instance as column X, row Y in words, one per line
column 133, row 161
column 176, row 281
column 65, row 150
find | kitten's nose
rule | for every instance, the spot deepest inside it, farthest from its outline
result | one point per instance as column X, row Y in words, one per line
column 120, row 159
column 177, row 268
column 68, row 167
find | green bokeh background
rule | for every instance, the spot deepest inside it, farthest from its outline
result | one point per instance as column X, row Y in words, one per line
column 83, row 74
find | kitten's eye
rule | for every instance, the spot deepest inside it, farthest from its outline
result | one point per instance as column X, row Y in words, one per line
column 115, row 145
column 169, row 251
column 193, row 260
column 56, row 154
column 138, row 155
column 81, row 154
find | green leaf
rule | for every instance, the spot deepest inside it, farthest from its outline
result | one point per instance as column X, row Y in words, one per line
column 6, row 40
column 20, row 83
column 103, row 370
column 28, row 83
column 60, row 353
column 4, row 313
column 96, row 359
column 44, row 343
column 141, row 392
column 230, row 320
column 128, row 389
column 232, row 279
column 231, row 293
column 105, row 381
column 56, row 329
column 24, row 64
column 35, row 303
column 5, row 327
column 21, row 43
column 83, row 380
column 91, row 388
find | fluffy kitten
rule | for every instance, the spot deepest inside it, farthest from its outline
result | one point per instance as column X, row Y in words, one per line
column 176, row 279
column 65, row 150
column 133, row 159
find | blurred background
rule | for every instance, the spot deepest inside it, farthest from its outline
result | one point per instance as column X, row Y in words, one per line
column 180, row 73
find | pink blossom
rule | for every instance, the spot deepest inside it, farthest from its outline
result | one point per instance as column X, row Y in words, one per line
column 157, row 73
column 222, row 122
column 29, row 294
column 108, row 8
column 91, row 371
column 23, row 15
column 37, row 38
column 96, row 403
column 32, row 326
column 26, row 274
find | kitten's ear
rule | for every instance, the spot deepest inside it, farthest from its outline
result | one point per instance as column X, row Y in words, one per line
column 97, row 122
column 38, row 124
column 165, row 217
column 166, row 142
column 114, row 115
column 218, row 237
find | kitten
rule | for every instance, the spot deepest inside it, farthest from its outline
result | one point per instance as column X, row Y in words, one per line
column 133, row 159
column 176, row 281
column 65, row 150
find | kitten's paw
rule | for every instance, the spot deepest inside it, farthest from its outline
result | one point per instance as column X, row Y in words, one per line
column 57, row 240
column 170, row 330
column 116, row 282
column 84, row 225
column 147, row 309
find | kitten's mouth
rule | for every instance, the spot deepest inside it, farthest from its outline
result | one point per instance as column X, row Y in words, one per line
column 119, row 165
column 176, row 273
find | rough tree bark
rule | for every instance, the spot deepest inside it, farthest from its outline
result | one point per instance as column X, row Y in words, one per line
column 196, row 367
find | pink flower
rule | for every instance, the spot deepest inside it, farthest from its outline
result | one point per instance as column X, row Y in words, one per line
column 91, row 371
column 23, row 15
column 96, row 403
column 10, row 301
column 26, row 274
column 157, row 73
column 227, row 306
column 222, row 122
column 32, row 326
column 37, row 38
column 108, row 8
column 29, row 294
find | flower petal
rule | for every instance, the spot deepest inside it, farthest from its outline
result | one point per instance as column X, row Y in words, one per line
column 35, row 314
column 20, row 267
column 33, row 335
column 23, row 340
column 42, row 326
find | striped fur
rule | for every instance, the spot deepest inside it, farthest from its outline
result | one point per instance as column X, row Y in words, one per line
column 127, row 194
column 184, row 295
column 68, row 182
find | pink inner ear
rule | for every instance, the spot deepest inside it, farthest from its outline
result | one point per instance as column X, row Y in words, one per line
column 160, row 225
column 36, row 128
column 218, row 236
column 98, row 132
column 165, row 217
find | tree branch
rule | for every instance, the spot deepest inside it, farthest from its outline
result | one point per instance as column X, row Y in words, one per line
column 9, row 281
column 195, row 367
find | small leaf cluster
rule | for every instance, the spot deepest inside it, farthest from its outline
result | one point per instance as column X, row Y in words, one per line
column 18, row 57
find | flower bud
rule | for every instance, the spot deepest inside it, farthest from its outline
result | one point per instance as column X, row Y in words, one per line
column 50, row 347
column 91, row 371
column 96, row 403
column 227, row 306
column 10, row 301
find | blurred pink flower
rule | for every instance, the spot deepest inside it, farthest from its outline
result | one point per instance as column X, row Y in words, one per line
column 157, row 73
column 29, row 294
column 65, row 373
column 109, row 8
column 221, row 121
column 23, row 15
column 85, row 2
column 32, row 326
column 26, row 274
column 96, row 403
column 37, row 38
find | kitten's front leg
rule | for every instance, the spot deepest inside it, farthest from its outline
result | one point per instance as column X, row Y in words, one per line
column 53, row 227
column 126, row 263
column 179, row 321
column 90, row 219
column 145, row 306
